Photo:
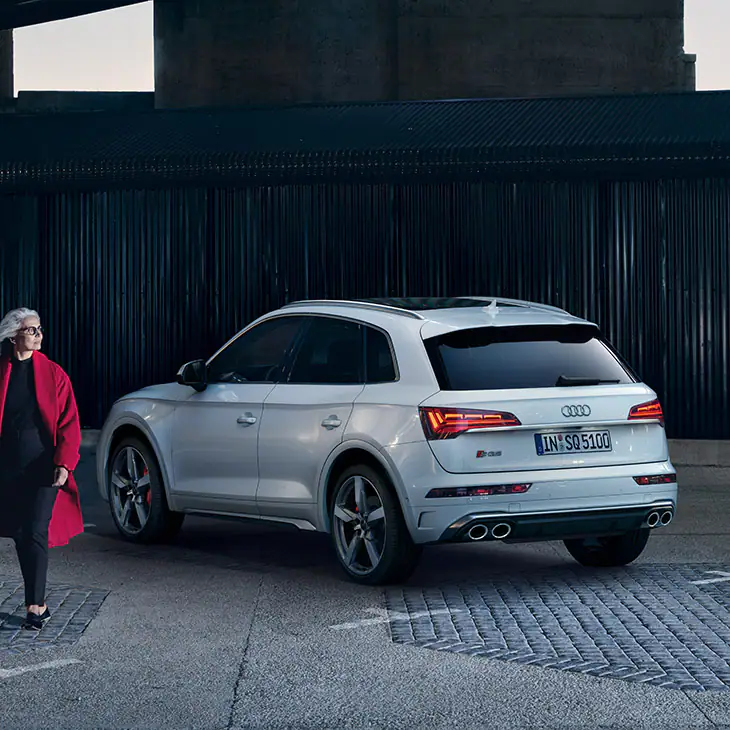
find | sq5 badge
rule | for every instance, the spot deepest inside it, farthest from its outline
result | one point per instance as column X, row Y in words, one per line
column 485, row 454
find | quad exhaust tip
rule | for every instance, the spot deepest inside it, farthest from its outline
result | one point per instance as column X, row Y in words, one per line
column 656, row 519
column 478, row 532
column 653, row 519
column 500, row 531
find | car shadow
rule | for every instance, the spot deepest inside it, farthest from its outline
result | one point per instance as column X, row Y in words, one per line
column 266, row 548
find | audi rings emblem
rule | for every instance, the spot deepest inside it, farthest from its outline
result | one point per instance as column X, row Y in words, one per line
column 576, row 411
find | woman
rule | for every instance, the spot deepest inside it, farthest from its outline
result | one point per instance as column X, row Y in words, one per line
column 40, row 439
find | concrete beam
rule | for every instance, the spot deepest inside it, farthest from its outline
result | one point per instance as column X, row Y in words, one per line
column 229, row 52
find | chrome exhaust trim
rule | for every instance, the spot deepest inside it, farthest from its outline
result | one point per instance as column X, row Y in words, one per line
column 667, row 517
column 478, row 532
column 653, row 519
column 500, row 531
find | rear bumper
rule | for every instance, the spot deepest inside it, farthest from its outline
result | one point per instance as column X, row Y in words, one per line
column 554, row 497
column 557, row 525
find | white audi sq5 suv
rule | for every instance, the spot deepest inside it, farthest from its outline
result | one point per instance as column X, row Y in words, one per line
column 392, row 424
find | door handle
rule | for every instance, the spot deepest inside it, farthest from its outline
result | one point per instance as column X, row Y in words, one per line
column 247, row 420
column 331, row 422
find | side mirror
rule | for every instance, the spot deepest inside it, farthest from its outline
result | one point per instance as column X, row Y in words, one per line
column 194, row 375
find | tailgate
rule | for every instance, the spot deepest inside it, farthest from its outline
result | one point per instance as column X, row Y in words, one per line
column 559, row 428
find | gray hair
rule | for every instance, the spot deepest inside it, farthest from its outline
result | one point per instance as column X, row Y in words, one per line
column 13, row 321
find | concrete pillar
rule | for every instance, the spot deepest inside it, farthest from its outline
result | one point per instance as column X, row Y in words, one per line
column 7, row 90
column 231, row 52
column 223, row 52
column 689, row 71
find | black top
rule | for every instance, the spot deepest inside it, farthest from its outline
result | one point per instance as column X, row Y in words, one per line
column 20, row 402
column 24, row 437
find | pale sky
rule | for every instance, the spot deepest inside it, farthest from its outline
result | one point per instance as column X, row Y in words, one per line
column 112, row 51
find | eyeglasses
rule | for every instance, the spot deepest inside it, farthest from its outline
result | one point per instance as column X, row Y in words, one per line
column 32, row 331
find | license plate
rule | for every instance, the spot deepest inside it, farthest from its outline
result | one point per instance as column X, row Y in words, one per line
column 583, row 442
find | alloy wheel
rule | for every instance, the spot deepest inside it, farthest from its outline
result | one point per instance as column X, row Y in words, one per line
column 131, row 494
column 359, row 525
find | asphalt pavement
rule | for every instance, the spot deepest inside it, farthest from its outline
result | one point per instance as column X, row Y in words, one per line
column 253, row 626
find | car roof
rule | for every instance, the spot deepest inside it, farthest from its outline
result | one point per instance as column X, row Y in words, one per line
column 435, row 316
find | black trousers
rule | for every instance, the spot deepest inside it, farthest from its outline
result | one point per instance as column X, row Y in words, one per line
column 28, row 498
column 31, row 542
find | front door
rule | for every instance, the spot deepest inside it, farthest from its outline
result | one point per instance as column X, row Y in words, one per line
column 215, row 433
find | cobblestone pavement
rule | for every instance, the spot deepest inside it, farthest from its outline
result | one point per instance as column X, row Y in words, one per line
column 72, row 611
column 653, row 624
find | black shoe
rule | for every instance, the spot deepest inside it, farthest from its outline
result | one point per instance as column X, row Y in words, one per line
column 35, row 621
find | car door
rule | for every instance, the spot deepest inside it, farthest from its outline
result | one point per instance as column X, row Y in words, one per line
column 215, row 432
column 306, row 416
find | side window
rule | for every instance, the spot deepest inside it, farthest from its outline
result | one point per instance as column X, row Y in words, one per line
column 258, row 355
column 379, row 364
column 331, row 353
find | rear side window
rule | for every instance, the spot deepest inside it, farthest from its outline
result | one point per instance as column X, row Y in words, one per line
column 379, row 365
column 338, row 351
column 331, row 353
column 508, row 358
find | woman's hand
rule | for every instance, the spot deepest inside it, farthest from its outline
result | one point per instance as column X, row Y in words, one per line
column 60, row 476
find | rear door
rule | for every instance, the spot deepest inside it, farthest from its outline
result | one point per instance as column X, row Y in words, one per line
column 305, row 417
column 547, row 397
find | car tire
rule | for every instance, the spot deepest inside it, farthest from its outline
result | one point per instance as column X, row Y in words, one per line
column 609, row 552
column 137, row 495
column 379, row 531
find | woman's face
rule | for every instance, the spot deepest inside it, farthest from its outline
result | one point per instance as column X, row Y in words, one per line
column 30, row 336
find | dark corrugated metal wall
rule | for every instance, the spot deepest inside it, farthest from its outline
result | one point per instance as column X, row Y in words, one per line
column 133, row 283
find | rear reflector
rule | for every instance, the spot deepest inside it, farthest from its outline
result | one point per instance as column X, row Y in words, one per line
column 448, row 423
column 657, row 479
column 651, row 411
column 478, row 491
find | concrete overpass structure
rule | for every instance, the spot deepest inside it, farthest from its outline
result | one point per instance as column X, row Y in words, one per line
column 233, row 52
column 21, row 13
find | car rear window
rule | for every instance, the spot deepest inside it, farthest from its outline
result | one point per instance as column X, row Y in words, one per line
column 506, row 358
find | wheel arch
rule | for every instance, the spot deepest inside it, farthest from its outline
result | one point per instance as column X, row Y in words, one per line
column 348, row 454
column 132, row 428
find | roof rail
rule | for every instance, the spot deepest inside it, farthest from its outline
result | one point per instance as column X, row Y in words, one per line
column 519, row 303
column 372, row 306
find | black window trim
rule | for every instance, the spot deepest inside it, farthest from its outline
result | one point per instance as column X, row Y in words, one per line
column 321, row 315
column 283, row 373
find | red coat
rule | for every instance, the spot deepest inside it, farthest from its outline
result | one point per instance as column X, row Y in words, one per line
column 58, row 410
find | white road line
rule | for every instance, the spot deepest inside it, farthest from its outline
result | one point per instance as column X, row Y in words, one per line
column 724, row 579
column 57, row 664
column 386, row 617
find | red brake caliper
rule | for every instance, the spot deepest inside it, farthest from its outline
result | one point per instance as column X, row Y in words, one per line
column 148, row 498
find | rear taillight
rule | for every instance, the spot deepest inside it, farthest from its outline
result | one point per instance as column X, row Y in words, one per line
column 477, row 491
column 656, row 479
column 651, row 411
column 448, row 423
